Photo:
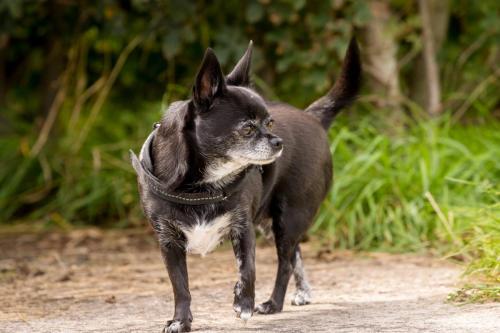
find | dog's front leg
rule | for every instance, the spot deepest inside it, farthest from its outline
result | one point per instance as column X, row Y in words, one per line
column 244, row 291
column 174, row 256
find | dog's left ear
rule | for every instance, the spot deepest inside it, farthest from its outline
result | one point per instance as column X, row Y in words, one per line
column 209, row 81
column 240, row 76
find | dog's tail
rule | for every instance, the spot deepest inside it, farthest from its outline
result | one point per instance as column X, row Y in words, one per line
column 344, row 91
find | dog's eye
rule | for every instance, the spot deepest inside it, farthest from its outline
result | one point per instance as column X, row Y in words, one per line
column 270, row 124
column 247, row 130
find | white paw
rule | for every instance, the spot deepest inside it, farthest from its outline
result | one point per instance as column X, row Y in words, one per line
column 301, row 297
column 243, row 315
column 176, row 326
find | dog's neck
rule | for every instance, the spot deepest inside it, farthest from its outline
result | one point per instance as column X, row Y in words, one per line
column 215, row 173
column 221, row 172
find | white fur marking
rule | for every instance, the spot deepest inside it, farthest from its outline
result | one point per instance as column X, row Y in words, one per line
column 301, row 297
column 302, row 293
column 204, row 236
column 218, row 170
column 259, row 154
column 238, row 288
column 245, row 315
column 239, row 266
column 174, row 327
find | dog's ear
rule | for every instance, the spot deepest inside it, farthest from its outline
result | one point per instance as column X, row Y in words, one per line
column 209, row 81
column 170, row 149
column 240, row 76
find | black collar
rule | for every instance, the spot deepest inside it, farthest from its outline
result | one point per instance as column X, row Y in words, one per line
column 143, row 166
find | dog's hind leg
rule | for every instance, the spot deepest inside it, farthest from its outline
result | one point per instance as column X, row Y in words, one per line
column 287, row 229
column 302, row 293
column 285, row 268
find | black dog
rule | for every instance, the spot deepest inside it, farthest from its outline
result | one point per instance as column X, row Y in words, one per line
column 226, row 161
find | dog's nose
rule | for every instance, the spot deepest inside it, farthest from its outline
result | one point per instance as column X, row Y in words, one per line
column 276, row 142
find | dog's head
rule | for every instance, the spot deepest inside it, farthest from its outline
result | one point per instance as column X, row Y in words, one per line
column 226, row 121
column 231, row 120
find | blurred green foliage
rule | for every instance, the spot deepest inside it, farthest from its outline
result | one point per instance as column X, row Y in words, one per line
column 293, row 39
column 413, row 190
column 93, row 76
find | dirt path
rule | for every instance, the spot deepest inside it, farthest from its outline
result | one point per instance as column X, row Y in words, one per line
column 89, row 281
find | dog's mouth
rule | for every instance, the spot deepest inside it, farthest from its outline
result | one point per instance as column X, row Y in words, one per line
column 259, row 161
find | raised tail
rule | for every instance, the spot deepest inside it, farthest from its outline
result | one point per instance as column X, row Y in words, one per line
column 344, row 90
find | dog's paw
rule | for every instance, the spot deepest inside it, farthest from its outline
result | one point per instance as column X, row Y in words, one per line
column 243, row 314
column 301, row 297
column 268, row 307
column 177, row 326
column 243, row 306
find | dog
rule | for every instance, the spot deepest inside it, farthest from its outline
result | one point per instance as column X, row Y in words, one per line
column 226, row 162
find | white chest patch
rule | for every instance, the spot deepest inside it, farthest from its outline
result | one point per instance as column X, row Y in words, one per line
column 204, row 236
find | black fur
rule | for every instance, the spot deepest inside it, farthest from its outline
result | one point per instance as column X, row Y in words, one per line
column 225, row 122
column 239, row 75
column 343, row 92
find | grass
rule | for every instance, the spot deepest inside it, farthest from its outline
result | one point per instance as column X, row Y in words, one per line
column 433, row 186
column 66, row 186
column 481, row 246
column 475, row 293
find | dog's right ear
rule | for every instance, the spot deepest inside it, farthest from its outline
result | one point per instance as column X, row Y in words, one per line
column 209, row 81
column 240, row 76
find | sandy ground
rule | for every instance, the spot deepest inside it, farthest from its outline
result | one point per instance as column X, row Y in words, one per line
column 94, row 281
